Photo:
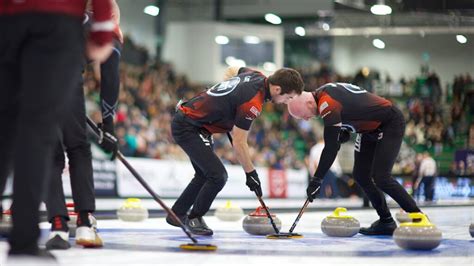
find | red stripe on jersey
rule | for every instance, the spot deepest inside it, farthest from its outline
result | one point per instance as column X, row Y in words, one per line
column 195, row 112
column 215, row 129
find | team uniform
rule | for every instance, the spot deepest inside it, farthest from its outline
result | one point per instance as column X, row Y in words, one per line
column 235, row 102
column 41, row 48
column 380, row 127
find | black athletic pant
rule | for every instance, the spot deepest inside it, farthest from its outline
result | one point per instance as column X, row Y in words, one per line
column 210, row 176
column 375, row 155
column 40, row 56
column 72, row 139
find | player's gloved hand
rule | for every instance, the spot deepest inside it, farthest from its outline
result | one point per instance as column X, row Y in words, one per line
column 253, row 182
column 107, row 140
column 344, row 136
column 313, row 188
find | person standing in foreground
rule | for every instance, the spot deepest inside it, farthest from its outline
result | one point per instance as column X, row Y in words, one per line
column 73, row 140
column 229, row 106
column 380, row 126
column 41, row 49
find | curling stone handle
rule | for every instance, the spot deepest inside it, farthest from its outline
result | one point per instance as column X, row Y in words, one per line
column 338, row 210
column 423, row 220
column 132, row 202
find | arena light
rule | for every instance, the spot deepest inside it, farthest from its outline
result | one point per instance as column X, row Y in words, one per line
column 326, row 26
column 251, row 39
column 300, row 31
column 232, row 61
column 461, row 39
column 151, row 10
column 378, row 44
column 221, row 39
column 269, row 66
column 272, row 18
column 381, row 9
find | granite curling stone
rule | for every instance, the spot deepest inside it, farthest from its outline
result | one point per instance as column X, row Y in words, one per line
column 257, row 223
column 229, row 212
column 5, row 223
column 420, row 234
column 340, row 225
column 132, row 211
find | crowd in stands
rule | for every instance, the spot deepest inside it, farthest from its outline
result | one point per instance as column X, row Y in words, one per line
column 149, row 93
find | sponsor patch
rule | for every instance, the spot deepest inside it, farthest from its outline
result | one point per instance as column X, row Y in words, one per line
column 254, row 111
column 323, row 106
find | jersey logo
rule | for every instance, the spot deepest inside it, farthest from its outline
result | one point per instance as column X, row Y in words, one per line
column 323, row 106
column 224, row 88
column 247, row 79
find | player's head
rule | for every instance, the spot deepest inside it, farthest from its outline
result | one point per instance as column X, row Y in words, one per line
column 285, row 84
column 302, row 106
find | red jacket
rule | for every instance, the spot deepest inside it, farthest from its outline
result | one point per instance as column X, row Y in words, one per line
column 101, row 31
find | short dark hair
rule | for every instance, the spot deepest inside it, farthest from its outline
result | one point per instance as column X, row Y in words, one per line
column 288, row 79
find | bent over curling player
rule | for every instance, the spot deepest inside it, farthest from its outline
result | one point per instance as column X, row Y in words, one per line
column 228, row 106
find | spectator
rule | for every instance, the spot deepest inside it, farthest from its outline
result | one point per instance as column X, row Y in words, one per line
column 426, row 176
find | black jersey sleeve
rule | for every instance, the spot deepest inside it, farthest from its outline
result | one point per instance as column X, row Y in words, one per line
column 331, row 147
column 110, row 84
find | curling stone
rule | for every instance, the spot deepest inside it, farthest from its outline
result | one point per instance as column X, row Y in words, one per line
column 6, row 223
column 471, row 229
column 402, row 217
column 72, row 223
column 340, row 225
column 420, row 234
column 229, row 212
column 132, row 211
column 257, row 223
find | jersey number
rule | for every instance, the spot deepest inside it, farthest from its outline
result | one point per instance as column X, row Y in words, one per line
column 224, row 88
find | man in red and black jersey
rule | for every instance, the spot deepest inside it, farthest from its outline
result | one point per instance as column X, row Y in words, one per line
column 41, row 50
column 380, row 126
column 229, row 106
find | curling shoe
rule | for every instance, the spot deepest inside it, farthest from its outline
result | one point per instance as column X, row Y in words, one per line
column 198, row 226
column 380, row 227
column 58, row 240
column 88, row 237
